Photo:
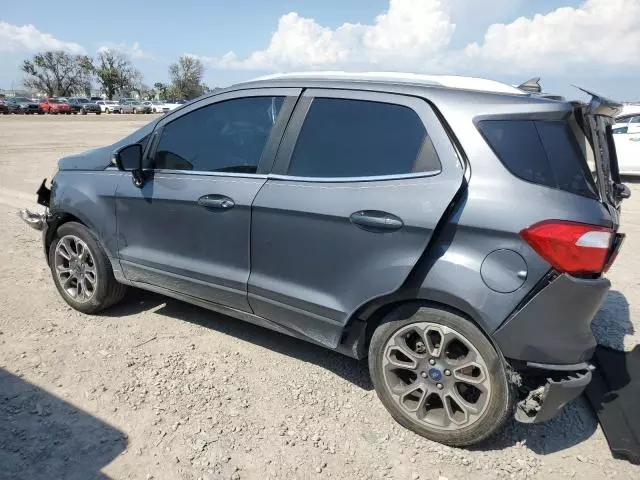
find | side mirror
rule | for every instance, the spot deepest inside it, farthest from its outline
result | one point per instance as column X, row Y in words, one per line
column 129, row 158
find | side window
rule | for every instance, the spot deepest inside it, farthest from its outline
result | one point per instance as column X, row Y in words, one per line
column 358, row 138
column 223, row 137
column 541, row 152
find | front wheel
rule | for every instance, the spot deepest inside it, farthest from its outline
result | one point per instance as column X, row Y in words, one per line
column 81, row 270
column 439, row 376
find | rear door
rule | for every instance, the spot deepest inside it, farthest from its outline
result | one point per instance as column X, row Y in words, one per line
column 359, row 184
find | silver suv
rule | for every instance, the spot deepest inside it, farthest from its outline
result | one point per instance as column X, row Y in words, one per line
column 448, row 228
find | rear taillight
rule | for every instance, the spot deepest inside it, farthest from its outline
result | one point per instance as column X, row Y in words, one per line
column 570, row 247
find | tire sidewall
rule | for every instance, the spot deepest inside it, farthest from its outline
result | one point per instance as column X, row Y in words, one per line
column 500, row 402
column 103, row 267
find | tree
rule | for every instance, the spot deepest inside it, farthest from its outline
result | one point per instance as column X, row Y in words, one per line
column 161, row 88
column 57, row 73
column 186, row 77
column 116, row 74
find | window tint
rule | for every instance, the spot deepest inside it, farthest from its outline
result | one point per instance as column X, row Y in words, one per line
column 540, row 152
column 223, row 137
column 355, row 138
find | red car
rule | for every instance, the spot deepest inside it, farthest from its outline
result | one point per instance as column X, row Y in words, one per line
column 55, row 106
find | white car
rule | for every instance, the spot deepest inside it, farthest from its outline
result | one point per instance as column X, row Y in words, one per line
column 626, row 135
column 173, row 104
column 109, row 106
column 157, row 106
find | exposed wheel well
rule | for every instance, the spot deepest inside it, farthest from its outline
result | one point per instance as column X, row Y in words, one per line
column 360, row 330
column 54, row 223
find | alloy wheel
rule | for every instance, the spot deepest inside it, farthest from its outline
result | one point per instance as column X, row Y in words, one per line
column 75, row 268
column 436, row 376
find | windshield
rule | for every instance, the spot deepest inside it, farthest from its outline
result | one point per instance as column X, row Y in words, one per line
column 110, row 103
column 22, row 99
column 54, row 100
column 82, row 100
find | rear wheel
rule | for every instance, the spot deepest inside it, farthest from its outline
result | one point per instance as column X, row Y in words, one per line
column 81, row 270
column 439, row 376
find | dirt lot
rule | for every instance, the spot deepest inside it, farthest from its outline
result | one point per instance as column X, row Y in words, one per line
column 156, row 388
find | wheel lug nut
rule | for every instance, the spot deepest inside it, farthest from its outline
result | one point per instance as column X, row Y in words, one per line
column 447, row 372
column 423, row 374
column 432, row 361
column 440, row 386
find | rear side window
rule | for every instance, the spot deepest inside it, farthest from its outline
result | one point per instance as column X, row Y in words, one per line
column 541, row 152
column 358, row 138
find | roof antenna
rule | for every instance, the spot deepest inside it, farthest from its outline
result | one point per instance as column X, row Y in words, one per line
column 532, row 85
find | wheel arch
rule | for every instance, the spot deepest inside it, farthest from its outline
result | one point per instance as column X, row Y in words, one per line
column 360, row 327
column 54, row 222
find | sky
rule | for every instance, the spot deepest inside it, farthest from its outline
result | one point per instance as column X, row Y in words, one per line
column 591, row 43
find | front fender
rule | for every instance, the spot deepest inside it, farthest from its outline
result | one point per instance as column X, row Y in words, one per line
column 89, row 197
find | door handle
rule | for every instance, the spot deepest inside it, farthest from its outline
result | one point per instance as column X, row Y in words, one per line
column 376, row 220
column 216, row 202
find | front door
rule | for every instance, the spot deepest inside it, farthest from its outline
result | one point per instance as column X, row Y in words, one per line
column 360, row 182
column 187, row 229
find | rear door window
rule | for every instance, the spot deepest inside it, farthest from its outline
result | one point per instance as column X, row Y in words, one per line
column 356, row 138
column 541, row 152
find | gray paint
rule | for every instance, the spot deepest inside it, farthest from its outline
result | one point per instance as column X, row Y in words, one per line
column 555, row 326
column 166, row 238
column 503, row 271
column 288, row 256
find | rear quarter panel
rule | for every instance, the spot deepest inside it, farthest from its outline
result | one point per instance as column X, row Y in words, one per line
column 495, row 208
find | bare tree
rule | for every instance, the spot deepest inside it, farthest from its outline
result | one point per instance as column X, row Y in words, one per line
column 57, row 73
column 116, row 73
column 186, row 77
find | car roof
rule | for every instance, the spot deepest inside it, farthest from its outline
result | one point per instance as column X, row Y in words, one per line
column 454, row 82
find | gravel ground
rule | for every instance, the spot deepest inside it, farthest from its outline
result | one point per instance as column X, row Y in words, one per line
column 156, row 388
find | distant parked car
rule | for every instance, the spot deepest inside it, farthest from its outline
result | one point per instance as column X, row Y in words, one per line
column 84, row 106
column 139, row 107
column 55, row 106
column 156, row 106
column 173, row 104
column 23, row 105
column 109, row 106
column 626, row 135
column 4, row 109
column 126, row 107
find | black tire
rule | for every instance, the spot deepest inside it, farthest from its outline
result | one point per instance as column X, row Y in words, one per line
column 98, row 113
column 499, row 404
column 108, row 291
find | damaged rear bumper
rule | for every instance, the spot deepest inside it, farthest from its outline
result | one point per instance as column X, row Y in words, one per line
column 554, row 392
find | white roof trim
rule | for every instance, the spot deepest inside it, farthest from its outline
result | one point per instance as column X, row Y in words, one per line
column 448, row 81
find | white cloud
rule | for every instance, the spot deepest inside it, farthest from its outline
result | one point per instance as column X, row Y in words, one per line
column 416, row 35
column 598, row 34
column 134, row 51
column 27, row 38
column 409, row 31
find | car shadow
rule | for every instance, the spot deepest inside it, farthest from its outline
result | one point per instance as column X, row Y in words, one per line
column 44, row 437
column 576, row 422
column 354, row 371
